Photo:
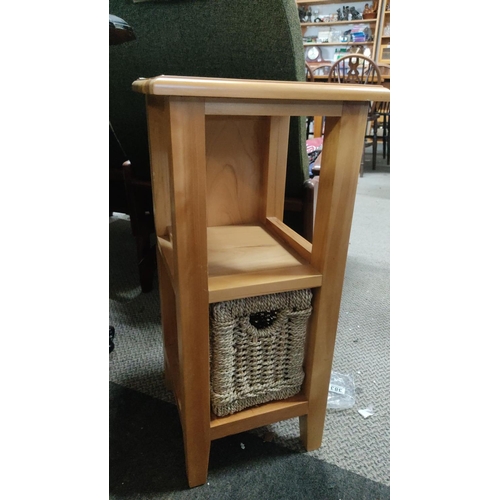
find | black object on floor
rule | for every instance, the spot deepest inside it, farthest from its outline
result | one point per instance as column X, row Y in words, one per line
column 111, row 337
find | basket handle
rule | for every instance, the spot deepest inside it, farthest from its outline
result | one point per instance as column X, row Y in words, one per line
column 263, row 319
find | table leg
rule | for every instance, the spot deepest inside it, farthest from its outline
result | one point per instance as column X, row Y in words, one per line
column 318, row 126
column 177, row 134
column 336, row 195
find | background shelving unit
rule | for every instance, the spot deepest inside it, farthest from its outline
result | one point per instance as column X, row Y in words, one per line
column 383, row 40
column 327, row 7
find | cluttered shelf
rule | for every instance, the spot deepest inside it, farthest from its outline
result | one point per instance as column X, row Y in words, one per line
column 317, row 2
column 337, row 43
column 348, row 29
column 333, row 23
column 343, row 31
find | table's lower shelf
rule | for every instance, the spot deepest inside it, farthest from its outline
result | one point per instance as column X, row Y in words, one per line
column 248, row 260
column 258, row 416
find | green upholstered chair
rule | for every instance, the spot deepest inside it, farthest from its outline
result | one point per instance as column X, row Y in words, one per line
column 249, row 39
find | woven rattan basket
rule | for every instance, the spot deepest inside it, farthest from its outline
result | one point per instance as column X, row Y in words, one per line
column 257, row 349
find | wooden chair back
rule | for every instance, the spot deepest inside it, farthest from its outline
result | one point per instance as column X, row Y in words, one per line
column 355, row 68
column 309, row 73
column 382, row 108
column 321, row 69
column 385, row 69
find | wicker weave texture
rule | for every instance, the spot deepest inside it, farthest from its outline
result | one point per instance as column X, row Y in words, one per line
column 257, row 349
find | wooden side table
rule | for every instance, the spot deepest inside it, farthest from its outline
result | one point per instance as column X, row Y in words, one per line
column 218, row 158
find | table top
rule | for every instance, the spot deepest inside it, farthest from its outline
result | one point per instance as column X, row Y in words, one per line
column 258, row 89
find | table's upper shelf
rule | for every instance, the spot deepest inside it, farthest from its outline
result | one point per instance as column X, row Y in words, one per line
column 249, row 260
column 258, row 89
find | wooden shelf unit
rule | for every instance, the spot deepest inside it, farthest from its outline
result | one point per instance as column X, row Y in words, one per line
column 374, row 45
column 382, row 41
column 218, row 151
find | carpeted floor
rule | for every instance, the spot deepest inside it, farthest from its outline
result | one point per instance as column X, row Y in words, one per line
column 146, row 455
column 147, row 461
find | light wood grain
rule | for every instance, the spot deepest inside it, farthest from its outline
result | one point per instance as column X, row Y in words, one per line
column 169, row 329
column 235, row 156
column 342, row 150
column 257, row 89
column 246, row 248
column 262, row 283
column 158, row 129
column 186, row 148
column 382, row 15
column 289, row 237
column 246, row 260
column 275, row 168
column 318, row 126
column 258, row 416
column 266, row 107
column 166, row 250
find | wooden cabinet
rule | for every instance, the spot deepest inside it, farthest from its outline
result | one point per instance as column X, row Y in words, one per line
column 336, row 47
column 218, row 159
column 383, row 47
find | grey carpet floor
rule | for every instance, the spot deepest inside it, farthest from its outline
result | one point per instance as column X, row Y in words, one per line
column 351, row 442
column 146, row 462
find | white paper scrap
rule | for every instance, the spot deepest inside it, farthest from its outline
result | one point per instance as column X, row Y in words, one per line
column 367, row 412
